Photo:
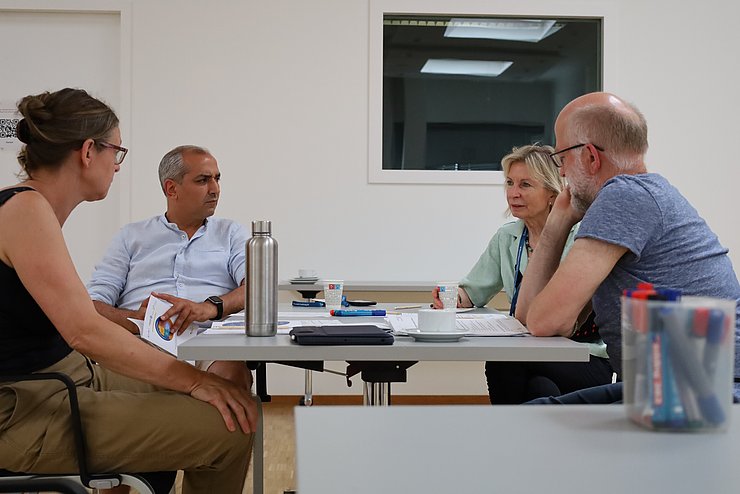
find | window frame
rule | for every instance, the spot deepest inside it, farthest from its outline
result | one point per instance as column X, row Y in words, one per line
column 507, row 8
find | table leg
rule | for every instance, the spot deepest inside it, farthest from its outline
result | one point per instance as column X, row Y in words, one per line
column 376, row 394
column 377, row 378
column 261, row 382
column 308, row 389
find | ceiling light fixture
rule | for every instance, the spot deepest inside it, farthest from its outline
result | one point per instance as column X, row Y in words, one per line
column 528, row 30
column 480, row 68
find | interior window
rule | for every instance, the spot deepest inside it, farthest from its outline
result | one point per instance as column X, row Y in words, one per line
column 460, row 92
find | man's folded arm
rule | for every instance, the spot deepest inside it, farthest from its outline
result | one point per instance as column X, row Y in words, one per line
column 554, row 309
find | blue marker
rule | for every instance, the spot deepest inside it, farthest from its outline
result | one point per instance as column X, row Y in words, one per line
column 359, row 312
column 676, row 411
column 714, row 340
column 688, row 398
column 314, row 303
column 658, row 377
column 682, row 351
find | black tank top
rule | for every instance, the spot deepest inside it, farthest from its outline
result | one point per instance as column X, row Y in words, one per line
column 28, row 340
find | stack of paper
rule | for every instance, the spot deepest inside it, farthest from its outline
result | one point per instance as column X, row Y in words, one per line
column 473, row 324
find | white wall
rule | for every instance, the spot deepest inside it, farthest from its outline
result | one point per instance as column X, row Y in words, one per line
column 47, row 48
column 278, row 91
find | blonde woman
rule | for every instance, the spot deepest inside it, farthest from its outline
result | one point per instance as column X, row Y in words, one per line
column 531, row 183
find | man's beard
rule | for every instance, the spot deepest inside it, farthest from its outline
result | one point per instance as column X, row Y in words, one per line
column 582, row 189
column 579, row 203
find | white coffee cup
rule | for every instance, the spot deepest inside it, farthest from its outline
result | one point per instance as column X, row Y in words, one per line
column 437, row 320
column 307, row 273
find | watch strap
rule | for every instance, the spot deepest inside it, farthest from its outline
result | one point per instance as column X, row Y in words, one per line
column 219, row 303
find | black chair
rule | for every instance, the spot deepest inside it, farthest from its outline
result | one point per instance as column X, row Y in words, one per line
column 73, row 483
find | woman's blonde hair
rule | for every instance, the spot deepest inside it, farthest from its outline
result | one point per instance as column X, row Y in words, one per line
column 539, row 164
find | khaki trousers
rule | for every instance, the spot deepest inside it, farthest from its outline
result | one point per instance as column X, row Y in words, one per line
column 129, row 427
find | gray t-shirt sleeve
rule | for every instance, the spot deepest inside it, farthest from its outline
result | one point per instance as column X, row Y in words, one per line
column 631, row 219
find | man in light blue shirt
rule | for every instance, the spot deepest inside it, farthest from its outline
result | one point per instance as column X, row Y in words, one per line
column 185, row 256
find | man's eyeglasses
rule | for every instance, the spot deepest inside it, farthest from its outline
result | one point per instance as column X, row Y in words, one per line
column 120, row 151
column 558, row 160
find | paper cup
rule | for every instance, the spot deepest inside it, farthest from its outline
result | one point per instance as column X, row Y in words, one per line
column 333, row 293
column 448, row 293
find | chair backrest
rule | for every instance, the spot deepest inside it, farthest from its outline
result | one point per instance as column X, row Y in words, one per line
column 92, row 481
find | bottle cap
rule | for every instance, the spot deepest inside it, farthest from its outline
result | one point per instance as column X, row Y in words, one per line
column 261, row 226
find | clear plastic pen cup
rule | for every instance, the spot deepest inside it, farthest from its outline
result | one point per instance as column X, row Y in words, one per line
column 448, row 294
column 677, row 362
column 333, row 293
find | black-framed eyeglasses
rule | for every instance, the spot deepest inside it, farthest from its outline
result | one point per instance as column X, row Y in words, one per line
column 558, row 161
column 120, row 151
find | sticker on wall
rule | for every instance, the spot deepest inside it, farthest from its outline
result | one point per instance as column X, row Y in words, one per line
column 9, row 118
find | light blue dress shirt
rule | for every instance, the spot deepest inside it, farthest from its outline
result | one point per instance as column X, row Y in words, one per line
column 154, row 255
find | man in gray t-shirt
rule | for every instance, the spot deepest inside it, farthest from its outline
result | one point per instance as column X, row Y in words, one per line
column 635, row 227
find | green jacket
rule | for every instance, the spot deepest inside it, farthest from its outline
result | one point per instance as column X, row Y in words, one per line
column 495, row 269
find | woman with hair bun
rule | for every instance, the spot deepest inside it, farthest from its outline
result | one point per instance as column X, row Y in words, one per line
column 142, row 409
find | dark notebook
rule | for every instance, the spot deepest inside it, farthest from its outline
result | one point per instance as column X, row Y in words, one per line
column 341, row 335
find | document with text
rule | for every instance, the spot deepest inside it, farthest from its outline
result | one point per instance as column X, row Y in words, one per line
column 286, row 322
column 473, row 324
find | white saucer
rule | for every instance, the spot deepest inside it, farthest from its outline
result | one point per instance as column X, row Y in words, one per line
column 304, row 281
column 436, row 336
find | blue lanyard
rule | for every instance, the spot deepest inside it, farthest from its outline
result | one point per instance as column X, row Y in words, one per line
column 517, row 273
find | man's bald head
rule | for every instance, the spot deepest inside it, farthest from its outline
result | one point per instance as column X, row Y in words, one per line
column 609, row 122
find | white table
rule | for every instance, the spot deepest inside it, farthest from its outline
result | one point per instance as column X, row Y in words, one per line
column 405, row 352
column 365, row 286
column 238, row 346
column 506, row 449
column 280, row 347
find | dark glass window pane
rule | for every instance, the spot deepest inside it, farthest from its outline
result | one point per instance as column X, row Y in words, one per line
column 468, row 120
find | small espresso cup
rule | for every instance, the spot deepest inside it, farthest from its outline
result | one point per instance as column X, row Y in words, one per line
column 307, row 273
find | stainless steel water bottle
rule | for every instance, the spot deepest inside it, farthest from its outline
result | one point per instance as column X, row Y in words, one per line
column 262, row 272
